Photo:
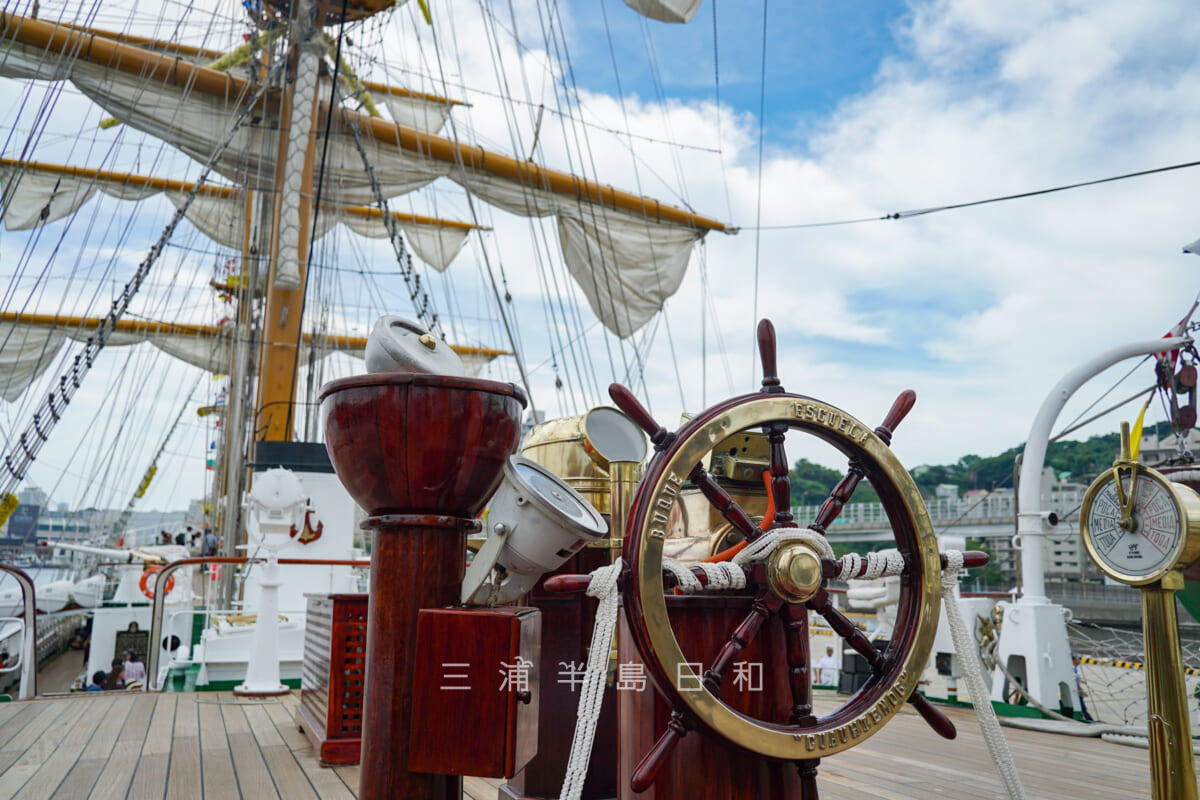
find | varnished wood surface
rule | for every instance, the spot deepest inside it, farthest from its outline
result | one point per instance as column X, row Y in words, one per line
column 216, row 746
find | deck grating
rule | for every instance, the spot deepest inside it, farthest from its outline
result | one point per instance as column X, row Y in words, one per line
column 213, row 745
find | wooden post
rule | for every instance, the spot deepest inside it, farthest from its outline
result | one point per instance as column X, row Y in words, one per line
column 416, row 562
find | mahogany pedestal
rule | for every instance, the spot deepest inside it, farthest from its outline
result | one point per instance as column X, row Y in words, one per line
column 702, row 768
column 416, row 562
column 567, row 622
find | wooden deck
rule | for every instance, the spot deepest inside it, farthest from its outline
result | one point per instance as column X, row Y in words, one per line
column 213, row 745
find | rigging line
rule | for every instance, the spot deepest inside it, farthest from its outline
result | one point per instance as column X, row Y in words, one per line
column 551, row 38
column 508, row 327
column 1021, row 195
column 580, row 355
column 658, row 276
column 69, row 382
column 316, row 212
column 762, row 125
column 1100, row 414
column 596, row 216
column 557, row 299
column 534, row 225
column 1112, row 388
column 717, row 91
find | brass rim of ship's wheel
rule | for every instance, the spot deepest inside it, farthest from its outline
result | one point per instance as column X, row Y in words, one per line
column 895, row 672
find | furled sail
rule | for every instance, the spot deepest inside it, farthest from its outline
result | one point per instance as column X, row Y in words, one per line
column 628, row 253
column 37, row 194
column 29, row 343
column 665, row 10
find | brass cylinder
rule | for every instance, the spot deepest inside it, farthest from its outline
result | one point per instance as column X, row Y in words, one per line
column 1172, row 765
column 623, row 479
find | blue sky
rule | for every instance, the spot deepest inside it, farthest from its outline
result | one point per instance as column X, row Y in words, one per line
column 870, row 108
column 817, row 54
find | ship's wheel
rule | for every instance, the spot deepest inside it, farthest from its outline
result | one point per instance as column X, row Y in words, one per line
column 790, row 583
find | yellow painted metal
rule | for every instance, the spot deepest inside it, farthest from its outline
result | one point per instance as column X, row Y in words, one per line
column 335, row 341
column 213, row 190
column 1172, row 764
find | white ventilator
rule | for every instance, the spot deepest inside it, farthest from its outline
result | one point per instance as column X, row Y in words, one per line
column 397, row 344
column 276, row 508
column 535, row 522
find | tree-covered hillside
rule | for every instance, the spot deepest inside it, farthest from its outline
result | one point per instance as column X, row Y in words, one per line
column 1081, row 461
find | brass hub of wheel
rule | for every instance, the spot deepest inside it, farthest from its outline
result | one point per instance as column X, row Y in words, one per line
column 794, row 573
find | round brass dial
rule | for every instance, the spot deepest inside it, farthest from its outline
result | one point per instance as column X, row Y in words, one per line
column 1139, row 542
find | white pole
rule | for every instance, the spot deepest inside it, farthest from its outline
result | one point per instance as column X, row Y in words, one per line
column 1030, row 527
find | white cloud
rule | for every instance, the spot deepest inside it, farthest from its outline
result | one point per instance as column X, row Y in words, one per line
column 980, row 310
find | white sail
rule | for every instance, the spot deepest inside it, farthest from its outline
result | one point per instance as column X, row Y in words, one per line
column 32, row 197
column 665, row 10
column 626, row 276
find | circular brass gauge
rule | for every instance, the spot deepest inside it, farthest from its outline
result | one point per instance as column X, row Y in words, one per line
column 1138, row 526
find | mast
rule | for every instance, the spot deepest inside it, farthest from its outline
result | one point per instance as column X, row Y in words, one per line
column 290, row 229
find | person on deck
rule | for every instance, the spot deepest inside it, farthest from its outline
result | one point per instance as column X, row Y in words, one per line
column 116, row 676
column 210, row 543
column 97, row 684
column 827, row 669
column 135, row 670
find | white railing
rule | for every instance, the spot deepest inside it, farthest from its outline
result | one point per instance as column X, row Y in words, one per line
column 998, row 509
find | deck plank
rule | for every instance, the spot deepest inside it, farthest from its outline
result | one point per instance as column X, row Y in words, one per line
column 18, row 716
column 290, row 780
column 254, row 780
column 35, row 754
column 113, row 783
column 328, row 784
column 80, row 779
column 210, row 745
column 261, row 726
column 285, row 724
column 62, row 758
column 184, row 779
column 162, row 723
column 150, row 778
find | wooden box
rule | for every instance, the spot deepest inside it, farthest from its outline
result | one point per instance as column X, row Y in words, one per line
column 331, row 682
column 475, row 705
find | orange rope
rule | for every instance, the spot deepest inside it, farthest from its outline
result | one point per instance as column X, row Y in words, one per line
column 730, row 552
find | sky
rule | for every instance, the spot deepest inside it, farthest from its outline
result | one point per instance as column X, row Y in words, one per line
column 861, row 110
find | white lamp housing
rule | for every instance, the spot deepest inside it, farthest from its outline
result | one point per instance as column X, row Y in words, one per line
column 535, row 523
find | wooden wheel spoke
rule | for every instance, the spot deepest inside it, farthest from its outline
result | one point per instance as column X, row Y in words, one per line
column 795, row 632
column 845, row 628
column 765, row 604
column 721, row 501
column 781, row 484
column 660, row 437
column 645, row 773
column 767, row 352
column 841, row 493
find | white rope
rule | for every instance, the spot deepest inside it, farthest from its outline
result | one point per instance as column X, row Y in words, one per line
column 604, row 586
column 973, row 676
column 764, row 545
column 688, row 583
column 883, row 564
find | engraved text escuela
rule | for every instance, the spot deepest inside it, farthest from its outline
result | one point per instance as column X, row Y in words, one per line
column 832, row 419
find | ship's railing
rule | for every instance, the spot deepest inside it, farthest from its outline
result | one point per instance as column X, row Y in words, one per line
column 27, row 659
column 160, row 582
column 997, row 508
